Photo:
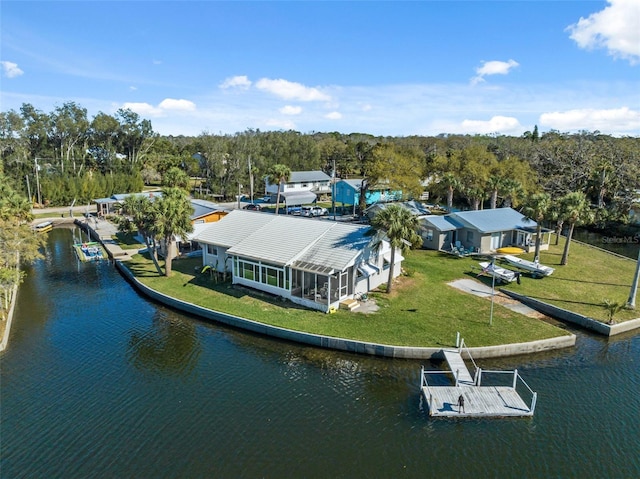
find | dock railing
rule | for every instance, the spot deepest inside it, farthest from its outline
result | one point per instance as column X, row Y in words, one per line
column 462, row 348
column 516, row 381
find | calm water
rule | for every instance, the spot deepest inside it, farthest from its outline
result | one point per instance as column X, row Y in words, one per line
column 99, row 382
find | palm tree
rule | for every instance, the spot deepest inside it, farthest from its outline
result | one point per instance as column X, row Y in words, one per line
column 512, row 191
column 495, row 184
column 451, row 183
column 140, row 209
column 537, row 208
column 400, row 227
column 172, row 218
column 278, row 174
column 575, row 210
column 612, row 308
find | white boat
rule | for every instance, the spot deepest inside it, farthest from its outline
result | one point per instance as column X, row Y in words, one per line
column 533, row 266
column 501, row 274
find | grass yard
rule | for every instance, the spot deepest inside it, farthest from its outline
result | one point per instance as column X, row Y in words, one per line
column 590, row 277
column 421, row 311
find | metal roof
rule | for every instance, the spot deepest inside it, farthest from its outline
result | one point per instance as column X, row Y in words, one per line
column 296, row 198
column 492, row 220
column 441, row 223
column 314, row 245
column 308, row 176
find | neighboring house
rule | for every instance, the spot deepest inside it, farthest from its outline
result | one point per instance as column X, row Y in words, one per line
column 347, row 192
column 322, row 264
column 112, row 205
column 302, row 188
column 206, row 212
column 481, row 231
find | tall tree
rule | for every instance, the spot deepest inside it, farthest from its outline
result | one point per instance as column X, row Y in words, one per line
column 278, row 175
column 575, row 210
column 172, row 219
column 140, row 210
column 400, row 226
column 536, row 208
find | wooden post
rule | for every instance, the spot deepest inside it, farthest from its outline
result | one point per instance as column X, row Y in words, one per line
column 421, row 376
column 458, row 339
column 515, row 378
column 479, row 377
column 430, row 403
column 457, row 374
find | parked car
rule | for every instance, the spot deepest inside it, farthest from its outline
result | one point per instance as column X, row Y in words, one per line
column 294, row 210
column 314, row 211
column 252, row 206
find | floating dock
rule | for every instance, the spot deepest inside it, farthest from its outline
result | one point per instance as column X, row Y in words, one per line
column 478, row 399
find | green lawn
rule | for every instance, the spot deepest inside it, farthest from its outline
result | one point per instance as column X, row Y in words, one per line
column 422, row 310
column 590, row 277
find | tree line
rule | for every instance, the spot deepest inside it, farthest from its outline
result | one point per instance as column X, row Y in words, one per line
column 58, row 157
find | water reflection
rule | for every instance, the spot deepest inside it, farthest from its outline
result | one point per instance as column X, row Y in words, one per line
column 169, row 345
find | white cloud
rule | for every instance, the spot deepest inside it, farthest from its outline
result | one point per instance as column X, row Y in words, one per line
column 172, row 104
column 280, row 124
column 611, row 120
column 497, row 124
column 616, row 28
column 494, row 67
column 334, row 115
column 291, row 90
column 240, row 81
column 133, row 88
column 291, row 110
column 11, row 69
column 165, row 106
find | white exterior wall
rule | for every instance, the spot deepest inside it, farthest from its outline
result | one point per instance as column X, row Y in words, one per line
column 219, row 261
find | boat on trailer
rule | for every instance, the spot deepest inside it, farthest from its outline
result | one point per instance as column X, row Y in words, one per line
column 43, row 227
column 532, row 266
column 499, row 273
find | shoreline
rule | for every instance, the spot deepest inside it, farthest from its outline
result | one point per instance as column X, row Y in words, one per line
column 342, row 344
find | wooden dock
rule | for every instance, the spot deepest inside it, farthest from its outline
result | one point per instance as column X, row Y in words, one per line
column 479, row 400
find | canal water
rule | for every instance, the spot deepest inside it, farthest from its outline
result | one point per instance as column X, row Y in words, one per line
column 98, row 381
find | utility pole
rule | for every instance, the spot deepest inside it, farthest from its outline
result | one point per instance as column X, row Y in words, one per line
column 631, row 302
column 29, row 192
column 38, row 182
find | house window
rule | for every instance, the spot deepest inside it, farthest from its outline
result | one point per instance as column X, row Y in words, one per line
column 264, row 273
column 429, row 235
column 212, row 250
column 469, row 236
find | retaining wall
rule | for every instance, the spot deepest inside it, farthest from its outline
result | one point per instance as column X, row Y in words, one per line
column 575, row 318
column 341, row 344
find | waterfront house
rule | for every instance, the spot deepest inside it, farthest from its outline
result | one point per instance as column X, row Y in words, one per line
column 206, row 212
column 347, row 192
column 112, row 205
column 303, row 187
column 481, row 231
column 320, row 265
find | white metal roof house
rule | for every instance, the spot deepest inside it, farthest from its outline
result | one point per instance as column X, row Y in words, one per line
column 481, row 231
column 316, row 264
column 302, row 188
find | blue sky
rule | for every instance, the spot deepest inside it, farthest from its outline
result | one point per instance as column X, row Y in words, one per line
column 384, row 68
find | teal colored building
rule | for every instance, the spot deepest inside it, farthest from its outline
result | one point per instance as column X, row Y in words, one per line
column 347, row 192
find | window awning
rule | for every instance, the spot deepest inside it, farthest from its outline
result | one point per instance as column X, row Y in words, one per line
column 367, row 269
column 297, row 198
column 312, row 268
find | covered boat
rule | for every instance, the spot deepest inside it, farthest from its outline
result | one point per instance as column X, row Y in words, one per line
column 533, row 266
column 501, row 274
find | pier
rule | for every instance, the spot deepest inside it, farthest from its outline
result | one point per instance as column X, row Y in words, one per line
column 499, row 396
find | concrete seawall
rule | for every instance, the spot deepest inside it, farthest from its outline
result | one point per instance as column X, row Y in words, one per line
column 575, row 318
column 341, row 344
